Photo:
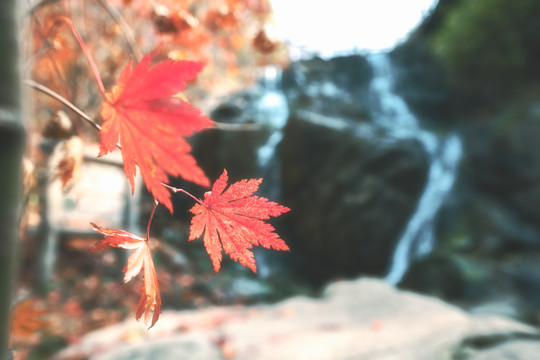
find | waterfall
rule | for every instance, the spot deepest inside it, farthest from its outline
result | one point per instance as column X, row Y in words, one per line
column 444, row 151
column 272, row 112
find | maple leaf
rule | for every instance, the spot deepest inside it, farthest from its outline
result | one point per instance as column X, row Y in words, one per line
column 143, row 114
column 231, row 221
column 139, row 260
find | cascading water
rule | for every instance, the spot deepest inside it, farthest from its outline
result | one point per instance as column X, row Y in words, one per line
column 392, row 113
column 272, row 112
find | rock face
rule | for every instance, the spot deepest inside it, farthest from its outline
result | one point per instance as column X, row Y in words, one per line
column 351, row 186
column 352, row 191
column 362, row 319
column 422, row 82
column 234, row 149
column 337, row 87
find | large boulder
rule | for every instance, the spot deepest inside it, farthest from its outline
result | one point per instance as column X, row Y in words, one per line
column 350, row 185
column 352, row 190
column 361, row 319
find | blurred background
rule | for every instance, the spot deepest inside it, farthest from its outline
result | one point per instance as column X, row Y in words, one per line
column 402, row 134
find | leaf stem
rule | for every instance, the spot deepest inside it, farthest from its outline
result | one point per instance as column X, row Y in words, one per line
column 87, row 54
column 62, row 99
column 175, row 190
column 156, row 203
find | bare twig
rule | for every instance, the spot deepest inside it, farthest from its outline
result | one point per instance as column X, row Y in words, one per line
column 63, row 100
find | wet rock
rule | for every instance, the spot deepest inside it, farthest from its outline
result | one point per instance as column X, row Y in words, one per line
column 232, row 149
column 422, row 82
column 450, row 276
column 337, row 87
column 352, row 190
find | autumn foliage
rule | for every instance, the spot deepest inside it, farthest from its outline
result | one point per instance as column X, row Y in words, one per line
column 231, row 220
column 143, row 114
column 139, row 260
column 146, row 114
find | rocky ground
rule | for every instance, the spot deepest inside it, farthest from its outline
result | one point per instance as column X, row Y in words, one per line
column 361, row 319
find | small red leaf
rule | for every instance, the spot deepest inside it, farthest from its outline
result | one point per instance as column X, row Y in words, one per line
column 140, row 259
column 231, row 221
column 150, row 122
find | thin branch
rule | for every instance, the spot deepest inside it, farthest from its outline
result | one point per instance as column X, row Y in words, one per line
column 175, row 190
column 124, row 27
column 63, row 100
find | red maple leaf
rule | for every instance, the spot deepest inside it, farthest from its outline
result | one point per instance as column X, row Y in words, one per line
column 231, row 220
column 139, row 260
column 150, row 123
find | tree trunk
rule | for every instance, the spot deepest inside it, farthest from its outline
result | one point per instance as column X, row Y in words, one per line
column 11, row 149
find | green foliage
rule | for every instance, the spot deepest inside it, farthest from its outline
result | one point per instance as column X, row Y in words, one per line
column 490, row 46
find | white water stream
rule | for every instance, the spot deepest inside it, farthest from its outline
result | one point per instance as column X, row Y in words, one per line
column 273, row 112
column 392, row 113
